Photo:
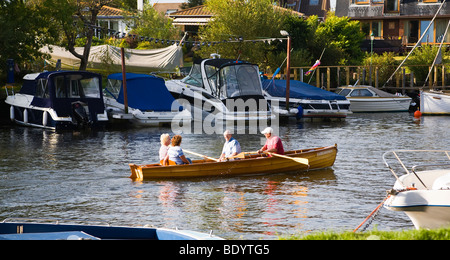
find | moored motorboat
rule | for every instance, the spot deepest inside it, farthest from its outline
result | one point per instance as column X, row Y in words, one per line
column 424, row 196
column 305, row 101
column 149, row 102
column 246, row 164
column 434, row 102
column 51, row 229
column 59, row 100
column 222, row 90
column 369, row 99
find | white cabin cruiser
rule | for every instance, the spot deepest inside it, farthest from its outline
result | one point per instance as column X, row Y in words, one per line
column 59, row 100
column 226, row 89
column 435, row 102
column 369, row 99
column 149, row 102
column 423, row 195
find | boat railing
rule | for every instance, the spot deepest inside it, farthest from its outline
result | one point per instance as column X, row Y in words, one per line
column 55, row 221
column 414, row 167
column 12, row 91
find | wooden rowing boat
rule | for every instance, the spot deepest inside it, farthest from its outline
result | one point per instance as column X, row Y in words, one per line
column 319, row 158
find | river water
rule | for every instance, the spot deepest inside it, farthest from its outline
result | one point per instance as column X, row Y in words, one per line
column 84, row 176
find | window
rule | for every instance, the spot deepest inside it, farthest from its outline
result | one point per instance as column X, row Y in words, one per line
column 194, row 77
column 427, row 35
column 361, row 93
column 441, row 25
column 75, row 86
column 42, row 89
column 391, row 6
column 241, row 80
column 313, row 2
column 377, row 28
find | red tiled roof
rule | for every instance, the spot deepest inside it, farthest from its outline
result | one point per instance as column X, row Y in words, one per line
column 110, row 11
column 200, row 10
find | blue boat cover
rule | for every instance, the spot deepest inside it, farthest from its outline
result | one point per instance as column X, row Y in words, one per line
column 145, row 92
column 298, row 89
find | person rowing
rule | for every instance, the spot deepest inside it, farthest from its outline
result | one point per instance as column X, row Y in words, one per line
column 231, row 147
column 175, row 153
column 273, row 143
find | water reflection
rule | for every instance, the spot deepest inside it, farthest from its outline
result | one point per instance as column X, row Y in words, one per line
column 84, row 175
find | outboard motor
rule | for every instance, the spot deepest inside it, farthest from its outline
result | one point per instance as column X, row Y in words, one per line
column 79, row 113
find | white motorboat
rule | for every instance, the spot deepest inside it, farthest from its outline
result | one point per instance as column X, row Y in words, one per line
column 305, row 101
column 434, row 102
column 222, row 89
column 423, row 195
column 369, row 99
column 149, row 102
column 59, row 100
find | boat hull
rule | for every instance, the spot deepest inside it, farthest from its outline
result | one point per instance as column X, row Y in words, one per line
column 319, row 158
column 434, row 103
column 379, row 104
column 426, row 209
column 24, row 230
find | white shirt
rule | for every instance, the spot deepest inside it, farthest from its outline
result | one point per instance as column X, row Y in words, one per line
column 230, row 147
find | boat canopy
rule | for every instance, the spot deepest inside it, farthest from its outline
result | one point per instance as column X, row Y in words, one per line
column 59, row 89
column 298, row 89
column 225, row 77
column 144, row 92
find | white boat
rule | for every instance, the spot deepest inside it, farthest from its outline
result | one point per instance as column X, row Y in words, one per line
column 223, row 89
column 434, row 102
column 59, row 100
column 423, row 195
column 149, row 101
column 369, row 99
column 305, row 101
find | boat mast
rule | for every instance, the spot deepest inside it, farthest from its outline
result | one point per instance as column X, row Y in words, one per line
column 417, row 43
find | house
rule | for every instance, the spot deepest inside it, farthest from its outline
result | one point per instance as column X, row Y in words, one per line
column 308, row 7
column 393, row 25
column 190, row 19
column 167, row 8
column 110, row 19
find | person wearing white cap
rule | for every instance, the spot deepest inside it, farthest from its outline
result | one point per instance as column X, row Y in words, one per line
column 231, row 147
column 273, row 142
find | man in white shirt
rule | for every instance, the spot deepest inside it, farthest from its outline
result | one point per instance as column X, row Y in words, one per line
column 230, row 148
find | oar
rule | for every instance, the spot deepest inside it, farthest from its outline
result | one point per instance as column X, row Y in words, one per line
column 201, row 155
column 299, row 160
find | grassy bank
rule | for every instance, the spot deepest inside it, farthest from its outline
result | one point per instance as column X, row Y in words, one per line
column 423, row 234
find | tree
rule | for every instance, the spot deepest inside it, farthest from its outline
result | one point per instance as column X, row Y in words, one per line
column 150, row 23
column 339, row 36
column 24, row 31
column 191, row 3
column 75, row 18
column 254, row 19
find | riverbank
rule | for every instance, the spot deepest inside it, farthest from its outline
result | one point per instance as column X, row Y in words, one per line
column 422, row 234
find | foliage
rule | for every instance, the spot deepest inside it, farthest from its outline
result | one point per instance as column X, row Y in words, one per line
column 191, row 3
column 385, row 63
column 150, row 23
column 421, row 57
column 340, row 37
column 24, row 30
column 73, row 18
column 422, row 234
column 247, row 19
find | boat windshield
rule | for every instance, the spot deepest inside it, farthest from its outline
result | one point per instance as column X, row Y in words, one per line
column 343, row 91
column 195, row 76
column 240, row 80
column 77, row 86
